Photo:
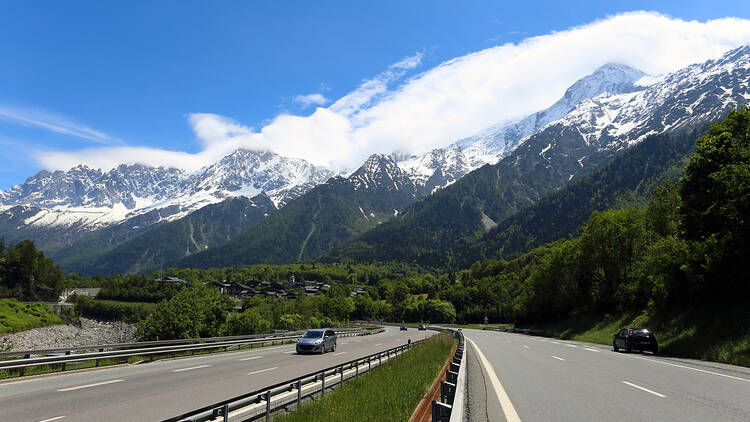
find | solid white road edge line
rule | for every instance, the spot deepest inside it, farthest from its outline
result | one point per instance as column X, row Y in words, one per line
column 263, row 370
column 644, row 389
column 339, row 353
column 508, row 410
column 555, row 357
column 250, row 358
column 191, row 368
column 590, row 349
column 90, row 385
column 52, row 419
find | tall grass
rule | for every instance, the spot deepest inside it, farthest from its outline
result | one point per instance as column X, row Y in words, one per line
column 389, row 392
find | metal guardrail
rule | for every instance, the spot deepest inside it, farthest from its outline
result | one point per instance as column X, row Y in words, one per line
column 262, row 402
column 128, row 351
column 450, row 408
column 141, row 344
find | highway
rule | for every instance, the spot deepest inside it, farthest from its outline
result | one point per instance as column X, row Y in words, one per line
column 161, row 389
column 516, row 377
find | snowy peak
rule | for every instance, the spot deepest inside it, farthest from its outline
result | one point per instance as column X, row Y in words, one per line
column 98, row 198
column 381, row 173
column 612, row 78
column 249, row 173
column 443, row 166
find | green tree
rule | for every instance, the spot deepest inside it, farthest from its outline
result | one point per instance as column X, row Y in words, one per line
column 197, row 311
column 716, row 204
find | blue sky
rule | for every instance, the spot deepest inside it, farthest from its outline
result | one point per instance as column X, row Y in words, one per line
column 97, row 76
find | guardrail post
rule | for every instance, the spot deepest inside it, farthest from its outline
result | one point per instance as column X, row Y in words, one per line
column 341, row 369
column 21, row 371
column 323, row 384
column 225, row 411
column 356, row 365
column 268, row 405
column 369, row 364
column 62, row 368
column 97, row 361
column 299, row 392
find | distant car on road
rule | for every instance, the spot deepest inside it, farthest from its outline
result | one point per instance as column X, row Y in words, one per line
column 403, row 327
column 635, row 339
column 317, row 341
column 422, row 327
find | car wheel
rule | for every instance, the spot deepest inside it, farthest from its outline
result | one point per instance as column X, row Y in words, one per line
column 614, row 346
column 334, row 347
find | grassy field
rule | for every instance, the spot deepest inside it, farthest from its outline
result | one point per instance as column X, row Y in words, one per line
column 389, row 393
column 16, row 316
column 714, row 334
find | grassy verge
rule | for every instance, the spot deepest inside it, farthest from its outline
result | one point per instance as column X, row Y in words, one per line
column 16, row 316
column 713, row 334
column 389, row 393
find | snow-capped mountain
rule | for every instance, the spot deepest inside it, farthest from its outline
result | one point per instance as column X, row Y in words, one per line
column 443, row 166
column 92, row 198
column 381, row 173
column 600, row 126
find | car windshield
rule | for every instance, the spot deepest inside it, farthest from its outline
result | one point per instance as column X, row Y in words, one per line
column 313, row 334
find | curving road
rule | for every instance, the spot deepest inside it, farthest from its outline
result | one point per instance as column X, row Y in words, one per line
column 165, row 388
column 516, row 377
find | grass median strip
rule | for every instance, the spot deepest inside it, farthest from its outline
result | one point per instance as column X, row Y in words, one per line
column 389, row 392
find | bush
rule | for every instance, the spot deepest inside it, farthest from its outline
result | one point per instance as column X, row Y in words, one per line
column 248, row 322
column 112, row 309
column 197, row 311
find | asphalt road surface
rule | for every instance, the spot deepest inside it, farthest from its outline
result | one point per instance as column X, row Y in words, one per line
column 161, row 389
column 516, row 377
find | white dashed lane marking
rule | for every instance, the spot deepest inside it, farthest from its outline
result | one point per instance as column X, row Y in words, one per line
column 191, row 368
column 250, row 358
column 90, row 385
column 263, row 370
column 644, row 389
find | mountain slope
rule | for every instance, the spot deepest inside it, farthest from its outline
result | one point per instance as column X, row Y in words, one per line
column 321, row 219
column 443, row 166
column 83, row 212
column 587, row 138
column 209, row 226
column 628, row 179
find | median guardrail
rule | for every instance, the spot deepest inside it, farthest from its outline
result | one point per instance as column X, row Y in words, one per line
column 63, row 357
column 261, row 403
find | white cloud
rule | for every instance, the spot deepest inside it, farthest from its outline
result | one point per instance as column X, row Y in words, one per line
column 54, row 123
column 311, row 99
column 454, row 99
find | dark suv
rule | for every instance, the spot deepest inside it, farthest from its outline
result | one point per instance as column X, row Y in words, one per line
column 635, row 338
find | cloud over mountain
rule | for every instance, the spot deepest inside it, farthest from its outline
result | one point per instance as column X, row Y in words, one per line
column 400, row 110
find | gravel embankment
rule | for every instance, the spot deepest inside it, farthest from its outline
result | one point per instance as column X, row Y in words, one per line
column 92, row 332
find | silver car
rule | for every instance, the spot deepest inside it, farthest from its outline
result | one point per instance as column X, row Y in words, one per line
column 319, row 341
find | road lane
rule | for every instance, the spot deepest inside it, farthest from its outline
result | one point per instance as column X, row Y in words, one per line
column 566, row 380
column 164, row 388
